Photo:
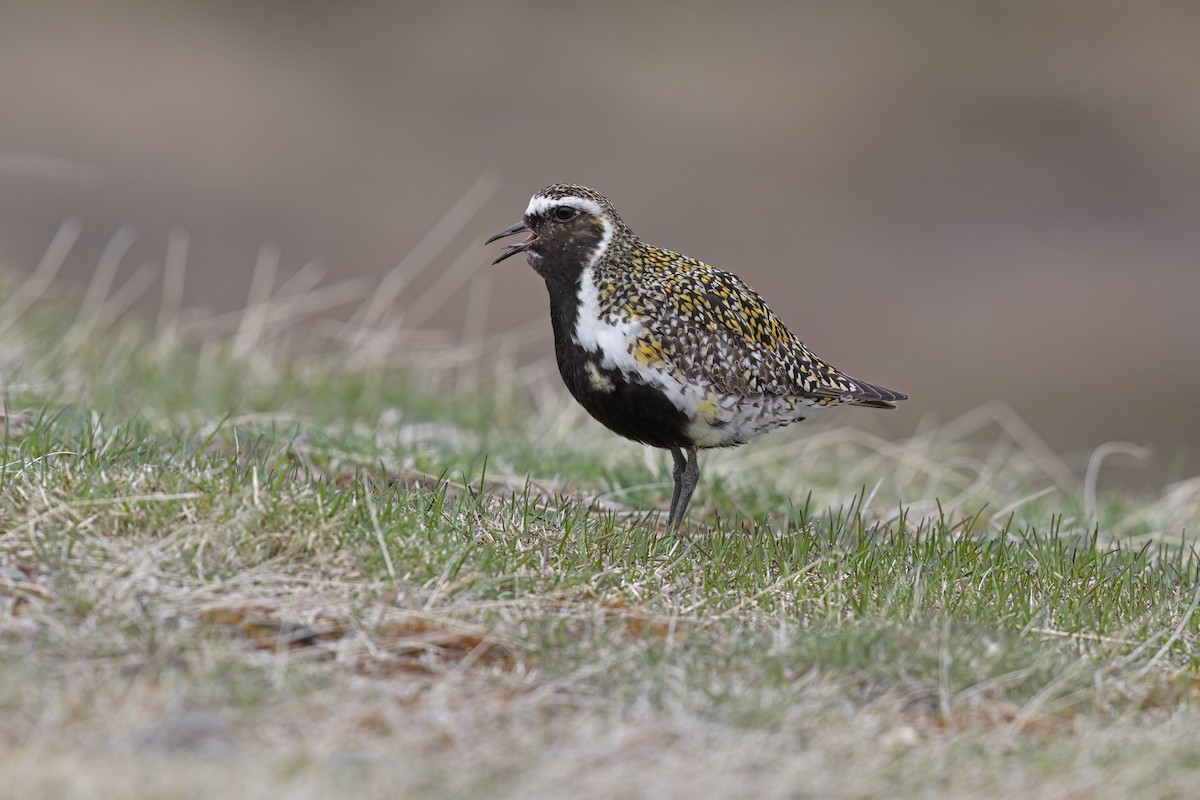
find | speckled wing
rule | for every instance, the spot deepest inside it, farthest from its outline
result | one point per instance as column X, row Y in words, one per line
column 717, row 331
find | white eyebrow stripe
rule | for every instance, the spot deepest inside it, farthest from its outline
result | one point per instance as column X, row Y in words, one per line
column 540, row 204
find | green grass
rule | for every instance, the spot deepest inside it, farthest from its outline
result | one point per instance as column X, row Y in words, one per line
column 273, row 575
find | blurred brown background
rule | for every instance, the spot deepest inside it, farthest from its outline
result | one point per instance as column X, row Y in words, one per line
column 965, row 201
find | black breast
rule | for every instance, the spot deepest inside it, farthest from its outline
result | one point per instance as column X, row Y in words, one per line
column 623, row 405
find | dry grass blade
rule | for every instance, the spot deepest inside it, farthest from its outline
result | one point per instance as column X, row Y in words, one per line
column 43, row 167
column 174, row 271
column 383, row 300
column 34, row 287
column 254, row 316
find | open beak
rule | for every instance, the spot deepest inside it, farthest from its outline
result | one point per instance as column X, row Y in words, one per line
column 519, row 247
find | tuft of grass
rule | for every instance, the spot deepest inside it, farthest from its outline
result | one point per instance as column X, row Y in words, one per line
column 229, row 569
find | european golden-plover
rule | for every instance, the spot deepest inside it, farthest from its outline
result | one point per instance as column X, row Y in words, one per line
column 664, row 349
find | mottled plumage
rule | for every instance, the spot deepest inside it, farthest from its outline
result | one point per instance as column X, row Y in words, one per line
column 664, row 349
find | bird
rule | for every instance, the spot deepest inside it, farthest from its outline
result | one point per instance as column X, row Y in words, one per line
column 663, row 349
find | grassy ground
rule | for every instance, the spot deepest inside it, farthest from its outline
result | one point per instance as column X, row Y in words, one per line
column 229, row 572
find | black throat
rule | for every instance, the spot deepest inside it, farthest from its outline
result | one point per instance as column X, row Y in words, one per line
column 561, row 267
column 563, row 289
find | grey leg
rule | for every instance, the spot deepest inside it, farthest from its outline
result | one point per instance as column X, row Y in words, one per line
column 686, row 474
column 677, row 476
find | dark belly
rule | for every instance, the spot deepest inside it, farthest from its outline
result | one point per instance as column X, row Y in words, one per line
column 628, row 407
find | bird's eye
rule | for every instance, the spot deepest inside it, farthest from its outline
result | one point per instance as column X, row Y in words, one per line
column 565, row 213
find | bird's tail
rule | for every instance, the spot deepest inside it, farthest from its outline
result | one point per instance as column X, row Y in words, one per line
column 872, row 396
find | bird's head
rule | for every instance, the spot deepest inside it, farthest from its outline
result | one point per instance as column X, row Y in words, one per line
column 569, row 227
